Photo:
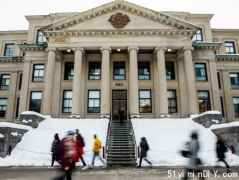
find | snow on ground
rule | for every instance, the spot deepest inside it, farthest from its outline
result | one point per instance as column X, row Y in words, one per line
column 166, row 137
column 40, row 140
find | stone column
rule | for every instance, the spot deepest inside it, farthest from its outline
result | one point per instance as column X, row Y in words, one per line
column 105, row 83
column 190, row 81
column 77, row 82
column 163, row 97
column 133, row 82
column 214, row 84
column 12, row 96
column 229, row 109
column 25, row 85
column 49, row 81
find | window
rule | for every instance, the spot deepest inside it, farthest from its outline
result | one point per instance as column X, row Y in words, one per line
column 234, row 80
column 3, row 105
column 170, row 70
column 94, row 70
column 198, row 36
column 201, row 74
column 230, row 48
column 17, row 109
column 222, row 107
column 119, row 70
column 204, row 101
column 144, row 70
column 35, row 102
column 145, row 101
column 9, row 48
column 236, row 106
column 67, row 101
column 172, row 101
column 69, row 71
column 219, row 82
column 38, row 72
column 40, row 37
column 5, row 79
column 20, row 82
column 94, row 102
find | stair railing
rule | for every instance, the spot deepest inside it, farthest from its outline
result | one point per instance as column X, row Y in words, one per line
column 133, row 137
column 107, row 136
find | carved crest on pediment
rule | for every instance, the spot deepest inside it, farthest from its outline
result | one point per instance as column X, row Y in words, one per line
column 119, row 20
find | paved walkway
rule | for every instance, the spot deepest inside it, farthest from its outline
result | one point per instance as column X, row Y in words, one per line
column 111, row 173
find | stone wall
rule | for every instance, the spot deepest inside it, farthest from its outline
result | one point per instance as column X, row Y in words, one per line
column 231, row 135
column 208, row 119
column 31, row 120
column 12, row 136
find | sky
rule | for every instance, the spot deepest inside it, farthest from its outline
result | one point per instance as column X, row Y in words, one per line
column 12, row 12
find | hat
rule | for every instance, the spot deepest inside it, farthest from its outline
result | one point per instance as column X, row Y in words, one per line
column 69, row 133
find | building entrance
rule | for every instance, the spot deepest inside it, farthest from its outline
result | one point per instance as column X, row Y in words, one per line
column 119, row 100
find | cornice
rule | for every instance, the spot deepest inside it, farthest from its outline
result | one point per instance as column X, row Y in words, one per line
column 227, row 57
column 11, row 59
column 206, row 45
column 33, row 47
column 119, row 32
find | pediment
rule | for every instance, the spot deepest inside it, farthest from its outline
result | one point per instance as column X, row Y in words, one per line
column 95, row 22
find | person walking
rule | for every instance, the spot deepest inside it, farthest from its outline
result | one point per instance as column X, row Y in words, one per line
column 194, row 160
column 221, row 149
column 80, row 144
column 96, row 150
column 121, row 115
column 55, row 150
column 143, row 153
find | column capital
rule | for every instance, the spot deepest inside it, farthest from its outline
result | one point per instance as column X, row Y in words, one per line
column 224, row 70
column 136, row 48
column 105, row 48
column 211, row 60
column 185, row 48
column 51, row 49
column 78, row 49
column 157, row 48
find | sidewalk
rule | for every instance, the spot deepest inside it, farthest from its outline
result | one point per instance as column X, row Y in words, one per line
column 111, row 173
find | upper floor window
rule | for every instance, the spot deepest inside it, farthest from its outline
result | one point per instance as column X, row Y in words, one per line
column 20, row 82
column 170, row 70
column 3, row 105
column 67, row 101
column 230, row 48
column 172, row 101
column 201, row 74
column 236, row 106
column 119, row 70
column 144, row 70
column 69, row 71
column 9, row 48
column 94, row 70
column 94, row 101
column 40, row 37
column 35, row 102
column 198, row 36
column 145, row 105
column 218, row 79
column 234, row 80
column 38, row 72
column 17, row 109
column 204, row 101
column 5, row 79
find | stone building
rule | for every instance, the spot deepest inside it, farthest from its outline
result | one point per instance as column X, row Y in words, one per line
column 119, row 55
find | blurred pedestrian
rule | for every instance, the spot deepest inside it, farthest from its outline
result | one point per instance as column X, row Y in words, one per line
column 194, row 160
column 221, row 149
column 55, row 150
column 143, row 153
column 96, row 150
column 121, row 115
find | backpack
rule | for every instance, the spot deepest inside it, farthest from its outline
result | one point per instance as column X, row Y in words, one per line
column 186, row 150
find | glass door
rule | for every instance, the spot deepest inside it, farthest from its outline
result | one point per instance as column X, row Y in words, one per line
column 119, row 101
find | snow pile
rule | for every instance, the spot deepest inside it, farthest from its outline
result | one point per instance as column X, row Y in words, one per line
column 35, row 113
column 218, row 126
column 1, row 135
column 26, row 121
column 167, row 136
column 35, row 147
column 13, row 125
column 207, row 112
column 15, row 134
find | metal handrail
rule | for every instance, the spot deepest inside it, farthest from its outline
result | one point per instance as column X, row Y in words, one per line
column 107, row 135
column 133, row 136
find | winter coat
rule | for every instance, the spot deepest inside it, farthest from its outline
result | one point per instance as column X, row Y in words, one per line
column 144, row 148
column 97, row 145
column 121, row 113
column 80, row 138
column 193, row 162
column 55, row 146
column 221, row 149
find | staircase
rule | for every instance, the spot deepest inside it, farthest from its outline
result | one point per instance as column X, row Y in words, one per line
column 121, row 148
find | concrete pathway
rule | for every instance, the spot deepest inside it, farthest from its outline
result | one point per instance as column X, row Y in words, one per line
column 111, row 173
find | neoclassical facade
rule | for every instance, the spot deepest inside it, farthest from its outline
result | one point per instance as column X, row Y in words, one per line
column 119, row 56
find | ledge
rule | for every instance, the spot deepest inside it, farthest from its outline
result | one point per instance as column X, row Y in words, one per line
column 206, row 45
column 227, row 57
column 12, row 59
column 33, row 47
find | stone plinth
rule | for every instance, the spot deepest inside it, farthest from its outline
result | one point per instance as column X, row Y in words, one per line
column 208, row 119
column 31, row 120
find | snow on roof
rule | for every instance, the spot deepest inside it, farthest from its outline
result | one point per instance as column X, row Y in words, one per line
column 219, row 126
column 13, row 125
column 35, row 113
